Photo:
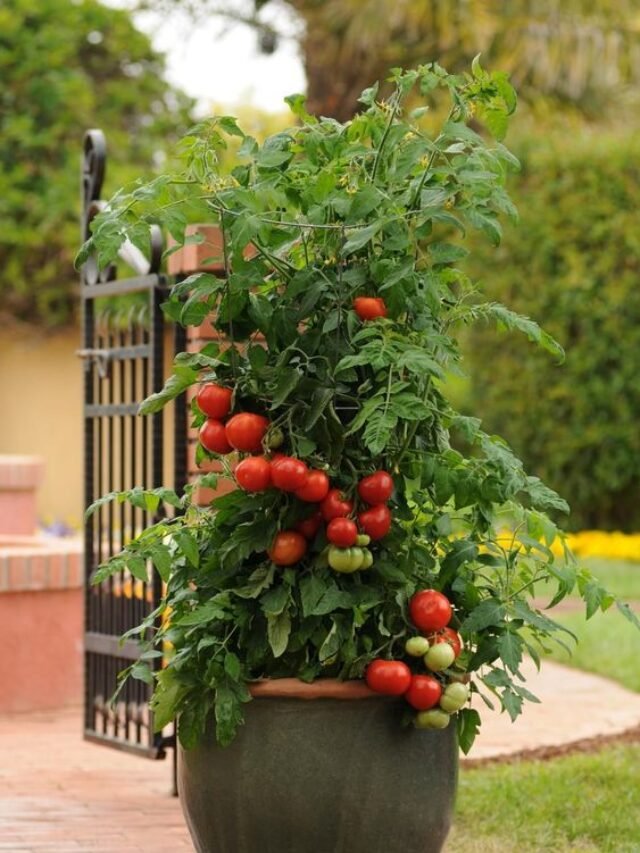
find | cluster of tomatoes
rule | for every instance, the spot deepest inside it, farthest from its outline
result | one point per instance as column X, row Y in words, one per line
column 438, row 646
column 348, row 539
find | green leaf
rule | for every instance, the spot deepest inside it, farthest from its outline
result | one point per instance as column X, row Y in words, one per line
column 628, row 613
column 161, row 558
column 288, row 379
column 489, row 612
column 274, row 602
column 189, row 547
column 278, row 631
column 228, row 713
column 183, row 376
column 360, row 237
column 167, row 697
column 510, row 647
column 232, row 666
column 510, row 320
column 468, row 723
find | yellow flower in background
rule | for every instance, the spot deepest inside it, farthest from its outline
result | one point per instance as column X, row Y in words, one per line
column 600, row 543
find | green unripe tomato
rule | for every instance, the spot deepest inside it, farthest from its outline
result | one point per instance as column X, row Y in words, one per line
column 367, row 560
column 275, row 438
column 439, row 657
column 417, row 647
column 363, row 539
column 432, row 719
column 454, row 697
column 345, row 560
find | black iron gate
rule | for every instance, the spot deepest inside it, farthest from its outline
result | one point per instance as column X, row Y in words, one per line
column 123, row 350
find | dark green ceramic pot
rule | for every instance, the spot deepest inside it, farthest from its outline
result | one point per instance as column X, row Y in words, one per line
column 322, row 776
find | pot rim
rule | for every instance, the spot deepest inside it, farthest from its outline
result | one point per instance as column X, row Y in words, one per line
column 323, row 688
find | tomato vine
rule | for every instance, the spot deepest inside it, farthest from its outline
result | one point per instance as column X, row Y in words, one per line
column 373, row 209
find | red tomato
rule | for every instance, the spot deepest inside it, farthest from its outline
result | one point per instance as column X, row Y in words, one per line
column 369, row 307
column 448, row 635
column 334, row 505
column 254, row 474
column 213, row 437
column 288, row 548
column 214, row 400
column 342, row 532
column 376, row 522
column 310, row 526
column 376, row 488
column 430, row 610
column 424, row 693
column 315, row 487
column 288, row 473
column 246, row 431
column 391, row 677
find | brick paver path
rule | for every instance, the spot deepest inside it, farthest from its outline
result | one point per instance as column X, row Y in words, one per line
column 59, row 794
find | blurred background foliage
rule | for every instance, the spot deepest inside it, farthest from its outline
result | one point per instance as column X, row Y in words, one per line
column 67, row 66
column 573, row 52
column 572, row 264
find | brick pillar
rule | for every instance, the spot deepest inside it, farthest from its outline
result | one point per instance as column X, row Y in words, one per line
column 188, row 260
column 20, row 477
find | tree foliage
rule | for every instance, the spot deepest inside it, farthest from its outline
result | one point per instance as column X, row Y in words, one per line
column 574, row 261
column 65, row 67
column 577, row 51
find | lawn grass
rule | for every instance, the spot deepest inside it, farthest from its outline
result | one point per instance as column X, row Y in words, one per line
column 578, row 803
column 608, row 645
column 621, row 577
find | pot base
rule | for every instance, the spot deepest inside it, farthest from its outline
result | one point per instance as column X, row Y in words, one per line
column 325, row 776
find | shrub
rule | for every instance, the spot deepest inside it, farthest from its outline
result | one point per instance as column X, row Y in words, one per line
column 574, row 262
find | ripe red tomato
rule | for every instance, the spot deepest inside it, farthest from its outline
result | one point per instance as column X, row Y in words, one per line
column 391, row 677
column 246, row 431
column 315, row 488
column 334, row 505
column 448, row 635
column 342, row 532
column 369, row 307
column 376, row 488
column 288, row 548
column 310, row 526
column 288, row 473
column 424, row 693
column 430, row 610
column 254, row 474
column 376, row 522
column 213, row 437
column 214, row 400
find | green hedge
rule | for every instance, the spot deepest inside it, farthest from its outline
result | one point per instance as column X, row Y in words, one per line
column 573, row 264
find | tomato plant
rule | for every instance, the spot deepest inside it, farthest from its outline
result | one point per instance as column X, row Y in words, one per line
column 254, row 474
column 376, row 522
column 448, row 635
column 430, row 610
column 376, row 488
column 213, row 437
column 315, row 487
column 288, row 548
column 369, row 308
column 214, row 400
column 288, row 474
column 346, row 560
column 310, row 526
column 335, row 506
column 424, row 692
column 246, row 431
column 390, row 677
column 342, row 324
column 342, row 532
